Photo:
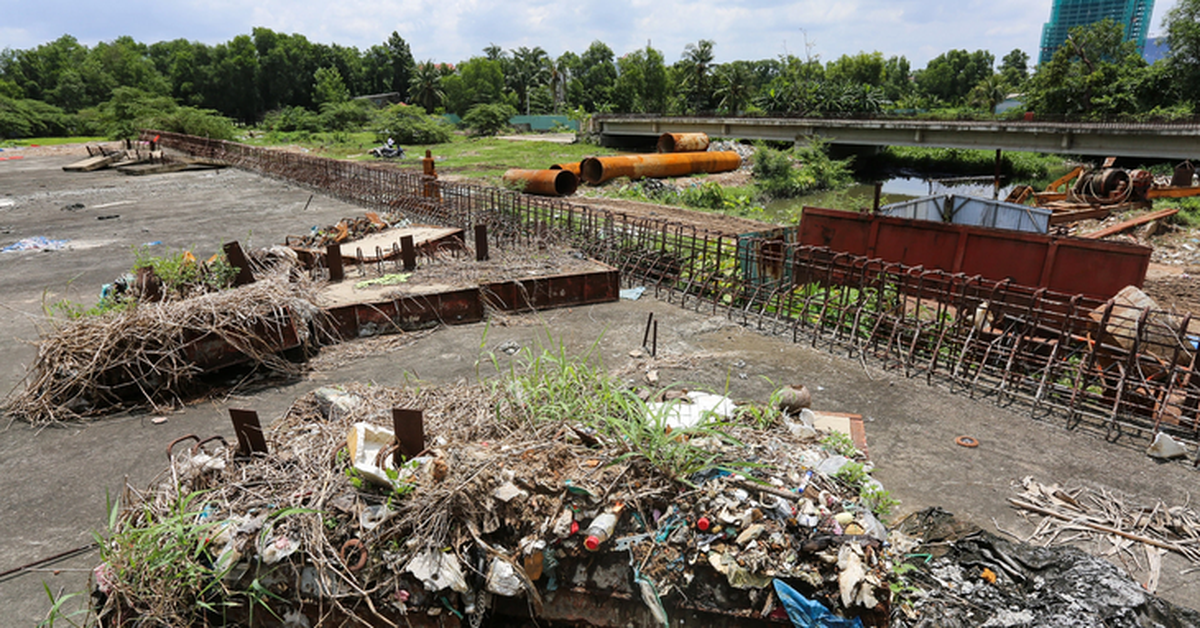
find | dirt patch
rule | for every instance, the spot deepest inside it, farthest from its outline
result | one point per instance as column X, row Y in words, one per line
column 720, row 223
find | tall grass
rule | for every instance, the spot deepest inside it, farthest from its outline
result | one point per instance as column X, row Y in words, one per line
column 549, row 386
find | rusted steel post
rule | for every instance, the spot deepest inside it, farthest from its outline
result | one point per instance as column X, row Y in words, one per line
column 249, row 432
column 237, row 259
column 481, row 243
column 878, row 194
column 409, row 426
column 409, row 253
column 333, row 259
column 646, row 334
column 996, row 186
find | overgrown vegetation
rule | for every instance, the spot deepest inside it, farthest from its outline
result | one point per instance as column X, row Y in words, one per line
column 781, row 174
column 487, row 119
column 409, row 124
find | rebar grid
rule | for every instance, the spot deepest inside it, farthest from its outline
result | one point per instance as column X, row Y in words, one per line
column 1119, row 370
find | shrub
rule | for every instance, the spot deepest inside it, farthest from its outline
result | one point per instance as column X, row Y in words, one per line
column 191, row 121
column 291, row 120
column 350, row 115
column 409, row 124
column 488, row 119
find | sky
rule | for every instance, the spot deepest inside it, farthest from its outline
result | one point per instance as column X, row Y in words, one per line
column 455, row 30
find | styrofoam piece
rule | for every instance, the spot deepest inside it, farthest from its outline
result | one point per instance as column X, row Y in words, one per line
column 679, row 413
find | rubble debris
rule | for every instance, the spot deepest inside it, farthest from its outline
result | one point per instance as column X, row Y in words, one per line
column 1129, row 224
column 948, row 582
column 1165, row 447
column 523, row 508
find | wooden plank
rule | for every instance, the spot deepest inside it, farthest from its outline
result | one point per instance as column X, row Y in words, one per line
column 1099, row 213
column 1129, row 224
column 94, row 163
column 144, row 169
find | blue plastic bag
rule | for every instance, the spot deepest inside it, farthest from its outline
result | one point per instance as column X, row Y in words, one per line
column 806, row 613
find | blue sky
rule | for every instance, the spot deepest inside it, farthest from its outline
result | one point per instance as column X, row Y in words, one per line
column 454, row 30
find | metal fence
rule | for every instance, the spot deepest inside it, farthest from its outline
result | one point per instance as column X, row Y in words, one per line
column 1123, row 371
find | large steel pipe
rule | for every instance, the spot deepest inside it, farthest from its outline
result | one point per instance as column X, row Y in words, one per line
column 683, row 142
column 596, row 170
column 544, row 182
column 571, row 166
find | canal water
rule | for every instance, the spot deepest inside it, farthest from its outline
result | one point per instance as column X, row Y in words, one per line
column 895, row 190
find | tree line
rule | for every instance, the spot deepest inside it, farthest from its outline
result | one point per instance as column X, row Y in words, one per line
column 65, row 87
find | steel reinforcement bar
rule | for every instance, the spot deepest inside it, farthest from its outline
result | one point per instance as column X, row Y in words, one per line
column 1125, row 372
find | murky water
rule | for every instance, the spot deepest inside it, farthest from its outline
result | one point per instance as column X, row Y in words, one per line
column 895, row 190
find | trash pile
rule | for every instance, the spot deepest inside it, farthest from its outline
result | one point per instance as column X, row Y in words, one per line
column 506, row 511
column 960, row 576
column 345, row 229
column 745, row 151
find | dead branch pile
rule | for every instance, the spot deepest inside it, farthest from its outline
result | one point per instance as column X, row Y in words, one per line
column 497, row 506
column 1067, row 515
column 151, row 354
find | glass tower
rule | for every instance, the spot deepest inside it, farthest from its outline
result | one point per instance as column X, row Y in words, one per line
column 1134, row 15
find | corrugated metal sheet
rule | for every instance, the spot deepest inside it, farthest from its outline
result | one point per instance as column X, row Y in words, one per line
column 972, row 211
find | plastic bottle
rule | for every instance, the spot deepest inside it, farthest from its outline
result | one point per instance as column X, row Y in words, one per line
column 602, row 528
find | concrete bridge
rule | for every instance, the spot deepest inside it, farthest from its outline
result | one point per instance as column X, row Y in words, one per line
column 1144, row 140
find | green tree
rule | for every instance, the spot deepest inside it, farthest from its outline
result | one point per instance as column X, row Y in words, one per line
column 479, row 80
column 949, row 77
column 1183, row 39
column 1014, row 68
column 696, row 63
column 425, row 87
column 988, row 93
column 1094, row 74
column 734, row 83
column 402, row 64
column 530, row 69
column 597, row 74
column 328, row 87
column 862, row 68
column 897, row 79
column 641, row 85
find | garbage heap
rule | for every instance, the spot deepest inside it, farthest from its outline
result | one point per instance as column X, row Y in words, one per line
column 610, row 514
column 957, row 575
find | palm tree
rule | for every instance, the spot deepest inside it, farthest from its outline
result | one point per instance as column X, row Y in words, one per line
column 733, row 87
column 698, row 57
column 989, row 92
column 531, row 68
column 425, row 86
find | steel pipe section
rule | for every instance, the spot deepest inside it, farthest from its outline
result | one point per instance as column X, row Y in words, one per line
column 596, row 170
column 572, row 167
column 683, row 142
column 544, row 182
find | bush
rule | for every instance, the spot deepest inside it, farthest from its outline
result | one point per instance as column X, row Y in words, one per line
column 778, row 177
column 488, row 119
column 291, row 120
column 191, row 121
column 409, row 124
column 350, row 115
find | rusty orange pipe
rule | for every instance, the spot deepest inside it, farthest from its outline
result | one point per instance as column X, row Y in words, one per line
column 544, row 182
column 572, row 167
column 597, row 170
column 682, row 143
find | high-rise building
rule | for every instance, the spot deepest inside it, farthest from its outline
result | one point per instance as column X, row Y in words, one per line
column 1134, row 15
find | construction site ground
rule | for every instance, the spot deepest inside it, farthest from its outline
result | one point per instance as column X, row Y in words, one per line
column 54, row 481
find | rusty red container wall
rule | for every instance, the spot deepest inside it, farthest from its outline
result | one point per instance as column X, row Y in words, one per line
column 555, row 291
column 1066, row 265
